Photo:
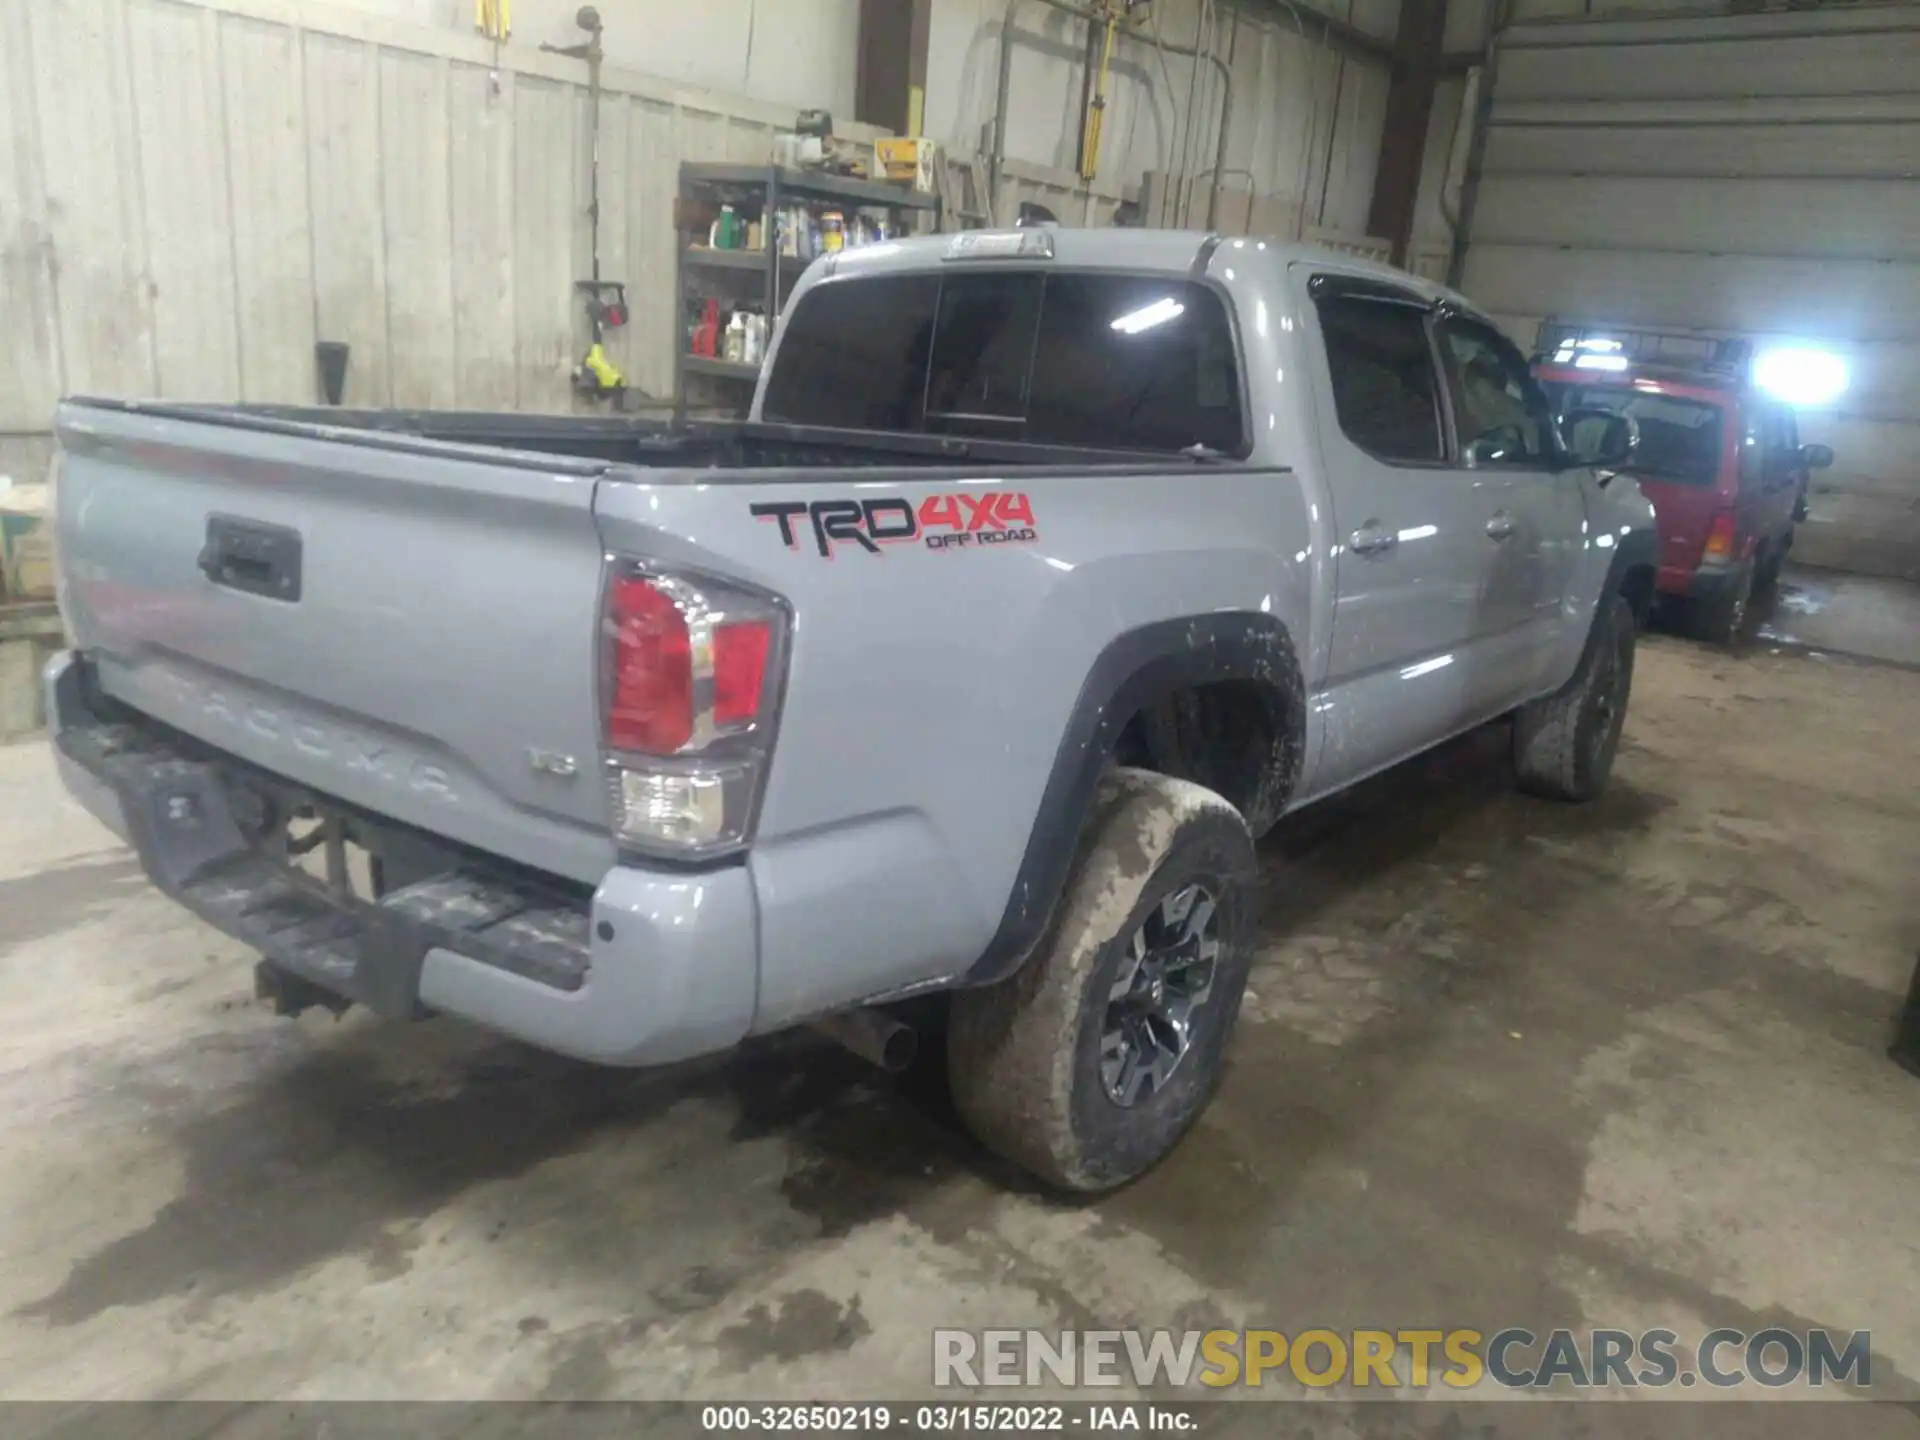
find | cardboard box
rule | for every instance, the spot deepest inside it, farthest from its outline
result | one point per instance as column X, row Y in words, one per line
column 26, row 542
column 908, row 162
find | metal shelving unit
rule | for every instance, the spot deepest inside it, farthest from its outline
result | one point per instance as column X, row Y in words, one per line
column 722, row 369
column 705, row 270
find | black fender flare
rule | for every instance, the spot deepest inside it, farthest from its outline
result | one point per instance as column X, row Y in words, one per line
column 1135, row 669
column 1636, row 550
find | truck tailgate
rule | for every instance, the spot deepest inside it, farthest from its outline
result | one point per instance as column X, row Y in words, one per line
column 405, row 625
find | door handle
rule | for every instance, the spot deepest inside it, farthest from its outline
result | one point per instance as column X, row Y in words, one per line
column 1372, row 538
column 1501, row 525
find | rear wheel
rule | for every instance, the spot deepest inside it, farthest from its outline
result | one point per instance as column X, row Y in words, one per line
column 1090, row 1062
column 1719, row 618
column 1771, row 560
column 1564, row 744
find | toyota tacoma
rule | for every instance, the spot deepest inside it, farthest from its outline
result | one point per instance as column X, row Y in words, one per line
column 1048, row 571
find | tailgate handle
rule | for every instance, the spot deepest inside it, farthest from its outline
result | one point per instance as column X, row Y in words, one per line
column 253, row 556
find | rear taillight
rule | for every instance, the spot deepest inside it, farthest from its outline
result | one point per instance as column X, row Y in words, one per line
column 651, row 707
column 1719, row 544
column 692, row 669
column 740, row 653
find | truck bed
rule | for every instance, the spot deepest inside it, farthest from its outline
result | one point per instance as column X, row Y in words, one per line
column 629, row 439
column 425, row 653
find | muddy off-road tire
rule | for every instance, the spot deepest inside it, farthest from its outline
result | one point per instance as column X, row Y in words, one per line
column 1563, row 744
column 1720, row 618
column 1147, row 958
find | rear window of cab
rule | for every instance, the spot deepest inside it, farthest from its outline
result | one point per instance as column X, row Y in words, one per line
column 1124, row 362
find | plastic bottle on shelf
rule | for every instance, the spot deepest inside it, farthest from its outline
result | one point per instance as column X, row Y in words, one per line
column 736, row 343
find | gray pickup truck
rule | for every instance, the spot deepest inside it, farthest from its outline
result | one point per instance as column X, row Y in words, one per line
column 1051, row 569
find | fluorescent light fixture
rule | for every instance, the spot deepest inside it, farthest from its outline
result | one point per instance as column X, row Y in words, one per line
column 1600, row 345
column 1801, row 375
column 1147, row 316
column 1600, row 362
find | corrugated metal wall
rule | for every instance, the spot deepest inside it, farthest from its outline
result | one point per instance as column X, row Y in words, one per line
column 798, row 52
column 1750, row 174
column 192, row 192
column 1304, row 137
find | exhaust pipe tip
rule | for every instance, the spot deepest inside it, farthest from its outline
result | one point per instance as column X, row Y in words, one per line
column 874, row 1036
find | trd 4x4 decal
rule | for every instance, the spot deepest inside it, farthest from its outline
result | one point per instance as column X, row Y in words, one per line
column 943, row 522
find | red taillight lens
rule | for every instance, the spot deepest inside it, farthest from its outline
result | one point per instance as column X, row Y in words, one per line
column 694, row 665
column 1720, row 537
column 651, row 707
column 740, row 654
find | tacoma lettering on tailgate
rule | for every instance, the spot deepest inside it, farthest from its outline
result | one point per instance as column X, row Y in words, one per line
column 943, row 522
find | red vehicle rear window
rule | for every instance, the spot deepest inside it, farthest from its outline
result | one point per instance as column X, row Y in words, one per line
column 1680, row 439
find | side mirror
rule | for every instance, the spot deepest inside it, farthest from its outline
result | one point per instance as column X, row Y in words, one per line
column 1816, row 457
column 1600, row 437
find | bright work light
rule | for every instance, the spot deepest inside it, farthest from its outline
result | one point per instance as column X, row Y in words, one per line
column 1801, row 376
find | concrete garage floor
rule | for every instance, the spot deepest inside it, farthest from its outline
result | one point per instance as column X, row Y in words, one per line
column 1503, row 1063
column 1867, row 617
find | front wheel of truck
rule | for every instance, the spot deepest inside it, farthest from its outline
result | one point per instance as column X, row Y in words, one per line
column 1564, row 743
column 1088, row 1064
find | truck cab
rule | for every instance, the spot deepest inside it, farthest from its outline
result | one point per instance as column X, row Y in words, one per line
column 1721, row 461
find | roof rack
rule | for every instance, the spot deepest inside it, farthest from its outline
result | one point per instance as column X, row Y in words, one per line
column 1566, row 341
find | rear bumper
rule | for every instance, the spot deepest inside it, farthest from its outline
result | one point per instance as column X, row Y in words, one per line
column 1702, row 583
column 652, row 967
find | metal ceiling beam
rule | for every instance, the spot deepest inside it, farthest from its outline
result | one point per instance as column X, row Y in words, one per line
column 1321, row 27
column 1417, row 62
column 890, row 64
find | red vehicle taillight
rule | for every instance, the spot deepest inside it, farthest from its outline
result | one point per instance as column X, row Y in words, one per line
column 1720, row 533
column 692, row 670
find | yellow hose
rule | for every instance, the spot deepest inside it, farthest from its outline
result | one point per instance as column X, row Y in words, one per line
column 1097, row 106
column 493, row 18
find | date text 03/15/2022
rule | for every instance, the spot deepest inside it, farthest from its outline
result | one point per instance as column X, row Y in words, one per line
column 942, row 1419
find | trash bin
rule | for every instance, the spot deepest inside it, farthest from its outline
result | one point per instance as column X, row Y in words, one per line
column 1906, row 1035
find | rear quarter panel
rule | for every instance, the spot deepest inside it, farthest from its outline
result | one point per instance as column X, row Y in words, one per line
column 929, row 688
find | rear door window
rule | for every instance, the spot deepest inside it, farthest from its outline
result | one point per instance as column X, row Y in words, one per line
column 1767, row 450
column 1386, row 390
column 1119, row 362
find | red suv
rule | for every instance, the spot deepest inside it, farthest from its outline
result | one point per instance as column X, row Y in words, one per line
column 1721, row 462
